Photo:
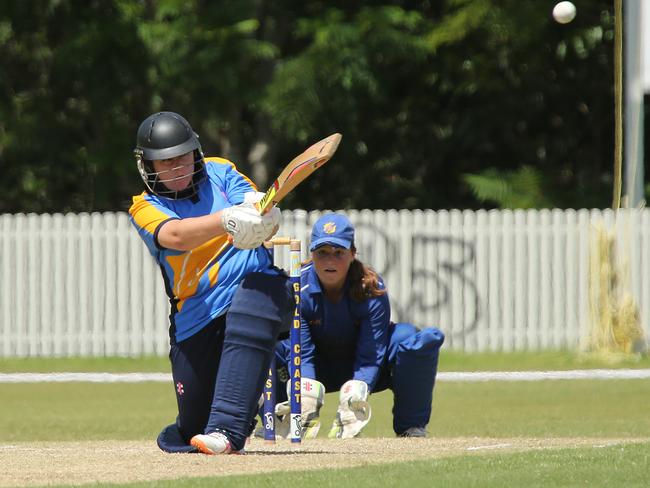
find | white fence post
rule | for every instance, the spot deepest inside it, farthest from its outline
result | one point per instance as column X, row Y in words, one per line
column 85, row 284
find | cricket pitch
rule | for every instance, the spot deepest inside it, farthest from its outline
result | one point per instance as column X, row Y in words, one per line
column 52, row 463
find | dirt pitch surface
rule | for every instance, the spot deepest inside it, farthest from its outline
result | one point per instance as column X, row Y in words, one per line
column 52, row 463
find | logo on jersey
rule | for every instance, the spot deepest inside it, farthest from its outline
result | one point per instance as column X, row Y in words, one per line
column 179, row 388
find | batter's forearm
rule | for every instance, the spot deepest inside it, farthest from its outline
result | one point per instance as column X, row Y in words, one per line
column 190, row 233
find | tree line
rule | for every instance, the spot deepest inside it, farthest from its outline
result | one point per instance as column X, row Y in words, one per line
column 442, row 104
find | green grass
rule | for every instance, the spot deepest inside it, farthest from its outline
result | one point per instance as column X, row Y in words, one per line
column 73, row 411
column 85, row 411
column 615, row 466
column 145, row 364
column 449, row 361
column 546, row 408
column 539, row 361
column 580, row 408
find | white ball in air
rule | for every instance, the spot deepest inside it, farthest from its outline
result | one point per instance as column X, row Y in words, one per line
column 564, row 12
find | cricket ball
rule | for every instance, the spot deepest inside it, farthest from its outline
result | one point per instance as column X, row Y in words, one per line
column 564, row 12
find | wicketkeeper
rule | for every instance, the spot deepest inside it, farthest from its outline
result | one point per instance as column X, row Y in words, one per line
column 350, row 345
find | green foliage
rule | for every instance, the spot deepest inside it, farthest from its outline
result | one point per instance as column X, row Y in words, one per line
column 522, row 188
column 346, row 65
column 69, row 79
column 466, row 16
column 424, row 92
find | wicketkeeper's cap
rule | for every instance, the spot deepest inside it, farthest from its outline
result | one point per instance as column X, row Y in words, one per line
column 332, row 230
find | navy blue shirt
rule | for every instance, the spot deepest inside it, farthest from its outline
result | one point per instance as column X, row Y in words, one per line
column 346, row 337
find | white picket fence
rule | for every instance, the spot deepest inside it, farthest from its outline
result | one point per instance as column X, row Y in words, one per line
column 85, row 285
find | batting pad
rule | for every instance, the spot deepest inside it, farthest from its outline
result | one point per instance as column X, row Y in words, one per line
column 171, row 440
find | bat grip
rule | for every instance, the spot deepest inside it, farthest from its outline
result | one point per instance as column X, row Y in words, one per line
column 259, row 209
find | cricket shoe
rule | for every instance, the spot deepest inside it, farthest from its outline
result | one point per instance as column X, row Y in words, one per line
column 213, row 443
column 413, row 432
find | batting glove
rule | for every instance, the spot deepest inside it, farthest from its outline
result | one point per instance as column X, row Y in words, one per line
column 247, row 227
column 252, row 197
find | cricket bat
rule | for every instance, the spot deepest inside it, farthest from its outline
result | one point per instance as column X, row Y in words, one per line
column 298, row 170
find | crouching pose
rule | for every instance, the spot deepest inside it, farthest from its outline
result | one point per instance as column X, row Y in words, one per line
column 350, row 345
column 228, row 303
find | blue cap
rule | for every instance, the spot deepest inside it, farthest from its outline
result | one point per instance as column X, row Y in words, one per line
column 332, row 230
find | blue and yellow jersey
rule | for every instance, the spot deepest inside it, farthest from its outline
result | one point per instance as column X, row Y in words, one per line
column 200, row 283
column 347, row 339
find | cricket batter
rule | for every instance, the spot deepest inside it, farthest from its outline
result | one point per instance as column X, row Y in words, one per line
column 228, row 302
column 350, row 345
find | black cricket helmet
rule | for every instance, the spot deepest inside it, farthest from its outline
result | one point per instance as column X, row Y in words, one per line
column 166, row 135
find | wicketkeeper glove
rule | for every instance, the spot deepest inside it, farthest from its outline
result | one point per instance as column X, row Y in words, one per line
column 312, row 394
column 247, row 227
column 354, row 411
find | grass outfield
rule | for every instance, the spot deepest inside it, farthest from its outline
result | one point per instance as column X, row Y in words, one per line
column 137, row 411
column 621, row 466
column 48, row 412
column 449, row 361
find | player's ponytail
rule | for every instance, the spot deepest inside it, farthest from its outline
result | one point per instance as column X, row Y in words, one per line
column 364, row 281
